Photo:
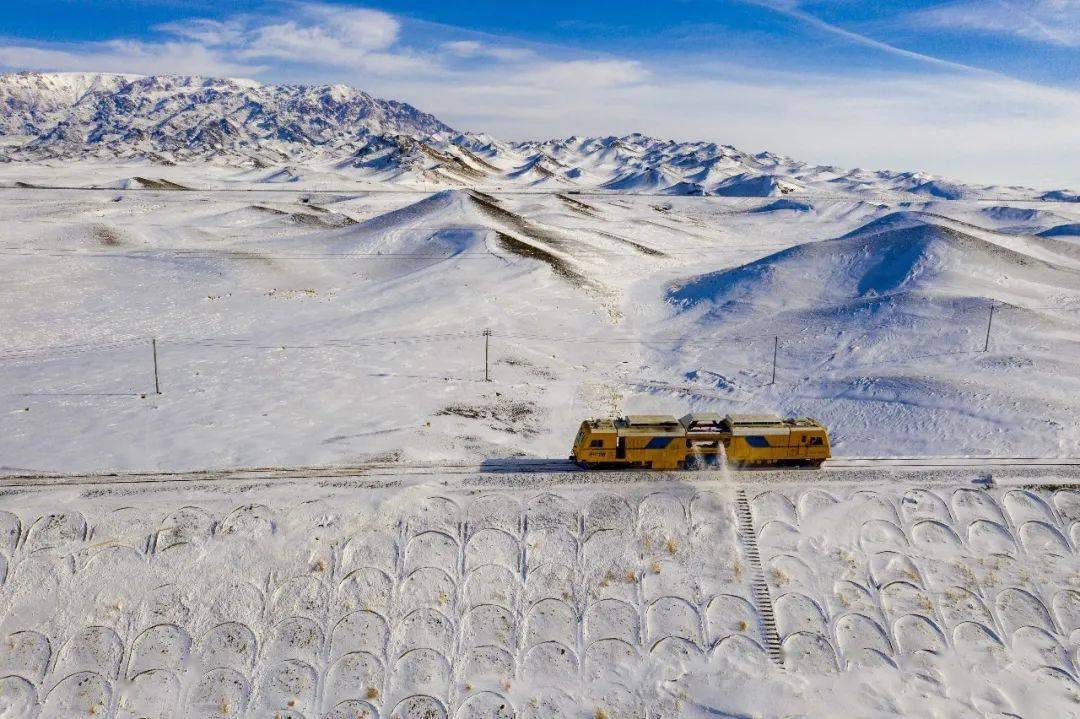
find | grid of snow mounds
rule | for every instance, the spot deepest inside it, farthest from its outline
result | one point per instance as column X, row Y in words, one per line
column 876, row 578
column 517, row 603
column 481, row 605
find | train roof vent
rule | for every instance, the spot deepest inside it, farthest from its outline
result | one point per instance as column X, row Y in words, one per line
column 636, row 420
column 701, row 419
column 761, row 420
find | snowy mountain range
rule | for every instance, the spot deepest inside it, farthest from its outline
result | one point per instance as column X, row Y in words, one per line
column 293, row 131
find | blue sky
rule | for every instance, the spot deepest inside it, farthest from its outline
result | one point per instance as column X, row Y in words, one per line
column 982, row 90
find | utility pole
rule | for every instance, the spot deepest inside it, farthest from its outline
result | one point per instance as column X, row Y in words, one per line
column 775, row 347
column 487, row 343
column 989, row 323
column 157, row 385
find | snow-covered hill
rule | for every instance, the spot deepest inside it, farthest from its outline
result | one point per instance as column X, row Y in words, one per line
column 904, row 254
column 336, row 134
column 894, row 314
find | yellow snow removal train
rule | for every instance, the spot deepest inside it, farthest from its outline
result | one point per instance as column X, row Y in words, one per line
column 654, row 441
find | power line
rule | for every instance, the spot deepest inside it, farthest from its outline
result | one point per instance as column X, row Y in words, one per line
column 59, row 351
column 227, row 343
column 957, row 319
column 68, row 350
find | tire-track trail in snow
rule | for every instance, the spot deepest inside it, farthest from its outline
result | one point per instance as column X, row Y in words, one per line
column 491, row 470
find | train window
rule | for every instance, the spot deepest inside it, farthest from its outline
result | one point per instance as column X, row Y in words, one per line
column 658, row 443
column 816, row 440
column 757, row 441
column 596, row 443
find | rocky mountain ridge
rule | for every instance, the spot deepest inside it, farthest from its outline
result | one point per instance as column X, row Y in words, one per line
column 293, row 130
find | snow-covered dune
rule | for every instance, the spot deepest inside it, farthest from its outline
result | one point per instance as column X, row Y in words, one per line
column 438, row 225
column 647, row 180
column 891, row 319
column 1069, row 229
column 752, row 185
column 901, row 253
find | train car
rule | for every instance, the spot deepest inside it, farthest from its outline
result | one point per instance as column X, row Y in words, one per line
column 649, row 441
column 695, row 440
column 755, row 439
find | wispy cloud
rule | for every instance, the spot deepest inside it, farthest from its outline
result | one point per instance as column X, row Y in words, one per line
column 307, row 39
column 1054, row 22
column 478, row 49
column 560, row 76
column 305, row 34
column 127, row 56
column 793, row 9
column 311, row 39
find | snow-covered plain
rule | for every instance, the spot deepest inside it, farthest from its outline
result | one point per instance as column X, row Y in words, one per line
column 315, row 327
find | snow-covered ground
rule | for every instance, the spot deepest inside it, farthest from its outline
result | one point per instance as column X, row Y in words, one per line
column 853, row 593
column 314, row 327
column 317, row 279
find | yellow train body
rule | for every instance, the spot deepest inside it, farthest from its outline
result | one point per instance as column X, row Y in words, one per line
column 664, row 442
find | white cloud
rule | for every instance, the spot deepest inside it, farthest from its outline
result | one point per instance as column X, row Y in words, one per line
column 364, row 29
column 302, row 43
column 1054, row 22
column 343, row 37
column 463, row 48
column 312, row 33
column 476, row 49
column 206, row 32
column 125, row 56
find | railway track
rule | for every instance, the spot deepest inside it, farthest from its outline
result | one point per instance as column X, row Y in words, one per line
column 919, row 462
column 508, row 467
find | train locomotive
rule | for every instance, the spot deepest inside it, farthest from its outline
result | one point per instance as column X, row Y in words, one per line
column 655, row 441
